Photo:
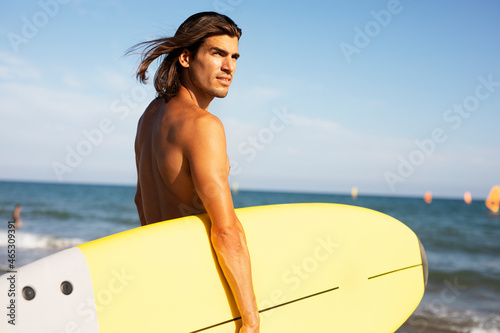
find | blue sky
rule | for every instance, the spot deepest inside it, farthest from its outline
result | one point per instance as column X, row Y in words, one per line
column 394, row 97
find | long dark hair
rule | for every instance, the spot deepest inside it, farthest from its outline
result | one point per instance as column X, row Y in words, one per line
column 190, row 35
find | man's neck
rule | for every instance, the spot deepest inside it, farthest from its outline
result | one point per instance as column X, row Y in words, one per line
column 201, row 100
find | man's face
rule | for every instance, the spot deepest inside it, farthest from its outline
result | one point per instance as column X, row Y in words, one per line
column 212, row 69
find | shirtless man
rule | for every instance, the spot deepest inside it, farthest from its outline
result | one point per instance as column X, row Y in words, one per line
column 181, row 156
column 16, row 216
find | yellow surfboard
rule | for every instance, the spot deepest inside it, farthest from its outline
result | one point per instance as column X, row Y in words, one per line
column 316, row 268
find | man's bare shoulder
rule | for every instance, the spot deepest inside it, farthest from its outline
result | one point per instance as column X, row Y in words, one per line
column 198, row 124
column 149, row 118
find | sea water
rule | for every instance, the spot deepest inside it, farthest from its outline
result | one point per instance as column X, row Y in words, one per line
column 462, row 241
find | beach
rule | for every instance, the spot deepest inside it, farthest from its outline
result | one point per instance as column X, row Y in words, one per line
column 461, row 240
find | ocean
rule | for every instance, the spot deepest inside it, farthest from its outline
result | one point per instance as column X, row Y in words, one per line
column 462, row 241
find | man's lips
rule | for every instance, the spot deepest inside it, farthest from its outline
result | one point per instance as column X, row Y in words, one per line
column 224, row 79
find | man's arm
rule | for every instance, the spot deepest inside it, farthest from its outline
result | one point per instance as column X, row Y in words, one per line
column 138, row 203
column 210, row 170
column 138, row 193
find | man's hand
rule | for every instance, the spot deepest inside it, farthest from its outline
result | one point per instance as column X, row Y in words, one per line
column 247, row 329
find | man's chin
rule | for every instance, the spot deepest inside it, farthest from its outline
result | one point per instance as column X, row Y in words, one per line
column 221, row 94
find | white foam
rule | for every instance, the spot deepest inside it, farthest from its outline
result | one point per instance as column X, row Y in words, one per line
column 35, row 241
column 431, row 316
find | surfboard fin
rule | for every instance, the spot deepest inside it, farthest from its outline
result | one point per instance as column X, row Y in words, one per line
column 425, row 264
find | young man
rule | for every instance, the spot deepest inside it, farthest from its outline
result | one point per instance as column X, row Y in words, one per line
column 181, row 157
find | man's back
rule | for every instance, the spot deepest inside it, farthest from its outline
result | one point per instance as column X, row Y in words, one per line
column 164, row 134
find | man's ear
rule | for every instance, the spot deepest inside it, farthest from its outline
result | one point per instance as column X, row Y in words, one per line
column 184, row 58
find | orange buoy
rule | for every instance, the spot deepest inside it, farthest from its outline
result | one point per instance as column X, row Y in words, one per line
column 467, row 197
column 493, row 199
column 428, row 197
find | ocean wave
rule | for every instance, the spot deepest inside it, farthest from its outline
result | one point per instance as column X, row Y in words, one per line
column 432, row 316
column 486, row 276
column 36, row 241
column 54, row 214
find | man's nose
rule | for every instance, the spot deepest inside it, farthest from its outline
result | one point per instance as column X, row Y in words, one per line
column 229, row 65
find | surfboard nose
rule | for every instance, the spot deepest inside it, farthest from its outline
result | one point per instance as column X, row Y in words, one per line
column 425, row 265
